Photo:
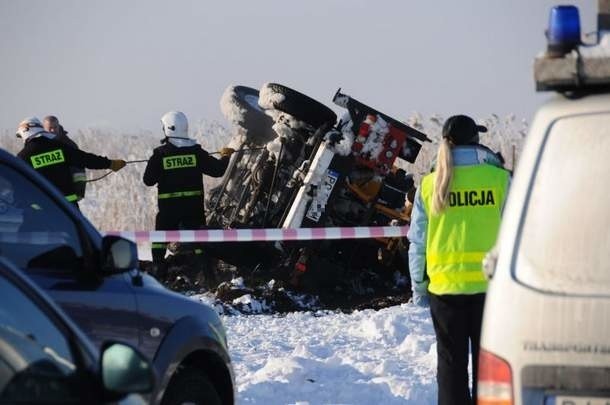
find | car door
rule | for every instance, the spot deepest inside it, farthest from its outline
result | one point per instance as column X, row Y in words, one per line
column 39, row 362
column 48, row 240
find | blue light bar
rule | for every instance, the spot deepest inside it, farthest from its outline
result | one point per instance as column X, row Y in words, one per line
column 563, row 33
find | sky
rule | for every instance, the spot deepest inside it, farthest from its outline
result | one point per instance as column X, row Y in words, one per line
column 123, row 64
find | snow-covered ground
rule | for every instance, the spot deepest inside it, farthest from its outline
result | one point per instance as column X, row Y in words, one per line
column 366, row 357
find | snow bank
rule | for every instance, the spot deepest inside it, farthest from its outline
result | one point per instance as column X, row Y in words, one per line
column 367, row 357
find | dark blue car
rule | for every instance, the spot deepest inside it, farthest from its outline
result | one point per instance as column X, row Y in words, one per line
column 96, row 281
column 45, row 359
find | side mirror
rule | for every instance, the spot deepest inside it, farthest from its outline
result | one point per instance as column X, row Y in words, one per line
column 118, row 254
column 125, row 371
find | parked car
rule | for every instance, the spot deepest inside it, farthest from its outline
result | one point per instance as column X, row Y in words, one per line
column 297, row 166
column 96, row 281
column 546, row 328
column 45, row 358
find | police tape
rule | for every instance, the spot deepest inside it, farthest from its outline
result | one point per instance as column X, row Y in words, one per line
column 265, row 235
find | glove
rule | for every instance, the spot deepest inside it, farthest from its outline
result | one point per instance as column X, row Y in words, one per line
column 117, row 164
column 420, row 300
column 226, row 152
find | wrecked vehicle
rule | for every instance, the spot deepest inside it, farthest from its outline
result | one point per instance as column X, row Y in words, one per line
column 297, row 166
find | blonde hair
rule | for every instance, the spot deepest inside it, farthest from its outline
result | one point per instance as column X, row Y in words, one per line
column 444, row 174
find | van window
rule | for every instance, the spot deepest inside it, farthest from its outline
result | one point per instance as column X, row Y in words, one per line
column 565, row 240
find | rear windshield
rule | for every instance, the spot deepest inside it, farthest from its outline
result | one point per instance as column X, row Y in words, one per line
column 565, row 240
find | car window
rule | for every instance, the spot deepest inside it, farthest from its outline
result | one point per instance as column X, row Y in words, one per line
column 34, row 230
column 565, row 239
column 35, row 356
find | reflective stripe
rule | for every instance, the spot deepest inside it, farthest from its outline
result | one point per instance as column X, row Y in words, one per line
column 457, row 282
column 78, row 177
column 178, row 194
column 446, row 277
column 158, row 245
column 72, row 197
column 198, row 251
column 436, row 259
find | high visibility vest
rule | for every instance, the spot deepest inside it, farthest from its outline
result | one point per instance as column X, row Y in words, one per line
column 459, row 237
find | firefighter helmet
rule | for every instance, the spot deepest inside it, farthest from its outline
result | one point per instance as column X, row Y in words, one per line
column 175, row 125
column 29, row 127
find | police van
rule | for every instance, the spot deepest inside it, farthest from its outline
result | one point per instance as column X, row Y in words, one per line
column 546, row 330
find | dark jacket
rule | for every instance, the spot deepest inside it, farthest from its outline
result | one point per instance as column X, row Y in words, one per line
column 177, row 174
column 53, row 159
column 78, row 173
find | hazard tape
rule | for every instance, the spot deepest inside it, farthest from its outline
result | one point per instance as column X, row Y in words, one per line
column 263, row 235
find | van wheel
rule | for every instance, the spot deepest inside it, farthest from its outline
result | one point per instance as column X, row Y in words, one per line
column 240, row 106
column 300, row 106
column 191, row 386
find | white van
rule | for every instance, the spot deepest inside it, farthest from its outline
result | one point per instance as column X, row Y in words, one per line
column 546, row 329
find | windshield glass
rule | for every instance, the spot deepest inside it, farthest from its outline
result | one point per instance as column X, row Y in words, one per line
column 565, row 240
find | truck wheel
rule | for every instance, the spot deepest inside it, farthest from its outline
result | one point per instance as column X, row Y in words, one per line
column 191, row 386
column 300, row 106
column 240, row 106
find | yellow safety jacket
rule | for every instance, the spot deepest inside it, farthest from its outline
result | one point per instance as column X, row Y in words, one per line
column 459, row 237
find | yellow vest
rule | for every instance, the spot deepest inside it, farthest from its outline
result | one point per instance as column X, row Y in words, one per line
column 460, row 236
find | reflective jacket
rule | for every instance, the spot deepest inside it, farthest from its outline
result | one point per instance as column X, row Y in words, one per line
column 177, row 172
column 54, row 160
column 446, row 250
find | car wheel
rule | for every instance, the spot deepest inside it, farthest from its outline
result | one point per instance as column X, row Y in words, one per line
column 300, row 106
column 240, row 106
column 191, row 386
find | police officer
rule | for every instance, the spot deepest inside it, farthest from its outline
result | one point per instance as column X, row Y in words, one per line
column 53, row 159
column 176, row 168
column 79, row 177
column 455, row 220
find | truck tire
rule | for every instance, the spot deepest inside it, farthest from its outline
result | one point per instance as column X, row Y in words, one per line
column 252, row 118
column 300, row 106
column 191, row 386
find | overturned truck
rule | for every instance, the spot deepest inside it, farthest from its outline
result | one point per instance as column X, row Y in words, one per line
column 297, row 166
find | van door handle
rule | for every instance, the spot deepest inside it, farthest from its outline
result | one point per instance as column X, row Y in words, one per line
column 490, row 262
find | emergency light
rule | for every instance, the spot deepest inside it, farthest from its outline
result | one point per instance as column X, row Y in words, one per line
column 563, row 33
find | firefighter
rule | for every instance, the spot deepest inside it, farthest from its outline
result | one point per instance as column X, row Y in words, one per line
column 53, row 158
column 79, row 177
column 455, row 220
column 176, row 167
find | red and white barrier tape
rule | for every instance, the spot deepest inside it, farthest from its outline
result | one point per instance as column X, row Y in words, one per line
column 261, row 235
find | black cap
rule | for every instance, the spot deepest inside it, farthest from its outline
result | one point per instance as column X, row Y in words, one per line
column 462, row 130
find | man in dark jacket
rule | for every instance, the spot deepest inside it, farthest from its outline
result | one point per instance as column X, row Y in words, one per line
column 176, row 168
column 51, row 124
column 53, row 158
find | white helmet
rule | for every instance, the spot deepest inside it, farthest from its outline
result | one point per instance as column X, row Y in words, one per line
column 175, row 125
column 29, row 127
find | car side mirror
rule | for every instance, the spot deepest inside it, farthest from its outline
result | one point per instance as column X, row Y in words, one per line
column 118, row 254
column 124, row 370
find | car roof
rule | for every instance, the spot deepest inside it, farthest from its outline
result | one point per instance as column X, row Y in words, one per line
column 16, row 276
column 562, row 105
